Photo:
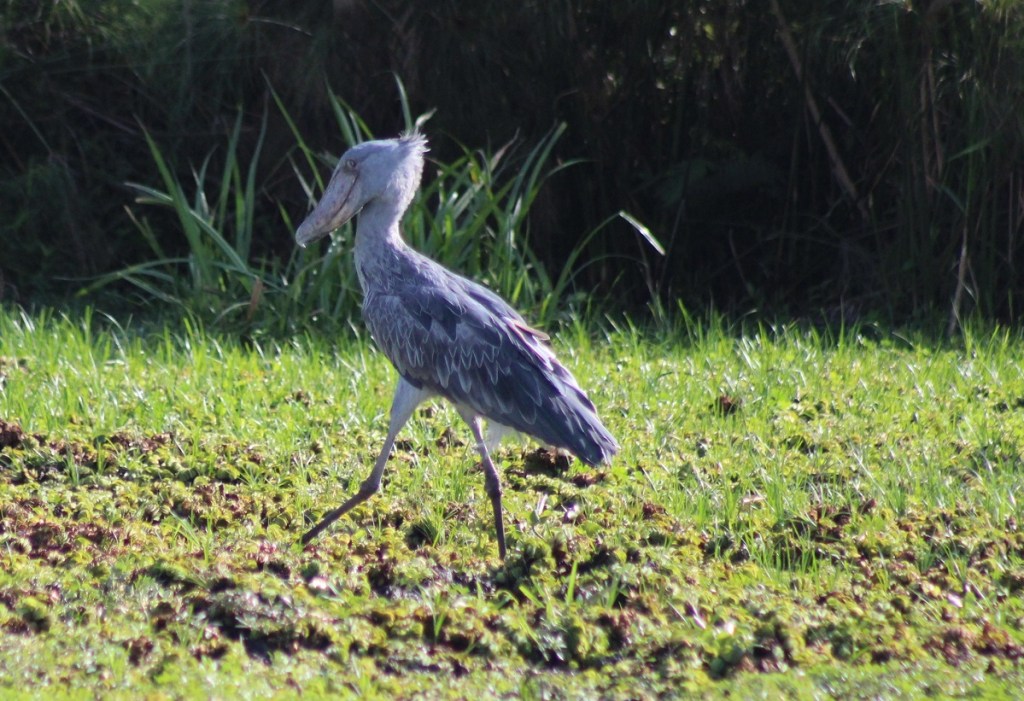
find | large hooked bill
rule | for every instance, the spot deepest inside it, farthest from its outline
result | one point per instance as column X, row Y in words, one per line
column 336, row 207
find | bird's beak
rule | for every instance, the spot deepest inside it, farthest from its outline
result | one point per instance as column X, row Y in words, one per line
column 336, row 207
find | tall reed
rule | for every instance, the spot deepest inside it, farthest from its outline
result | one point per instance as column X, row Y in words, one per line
column 471, row 214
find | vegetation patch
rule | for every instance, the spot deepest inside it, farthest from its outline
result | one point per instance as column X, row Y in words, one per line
column 791, row 512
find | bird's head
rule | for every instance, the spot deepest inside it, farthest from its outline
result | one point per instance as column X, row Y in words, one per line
column 386, row 171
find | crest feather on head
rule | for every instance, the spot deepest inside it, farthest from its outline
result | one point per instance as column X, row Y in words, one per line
column 415, row 139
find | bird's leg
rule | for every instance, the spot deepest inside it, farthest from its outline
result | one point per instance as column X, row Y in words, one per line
column 367, row 489
column 492, row 484
column 407, row 397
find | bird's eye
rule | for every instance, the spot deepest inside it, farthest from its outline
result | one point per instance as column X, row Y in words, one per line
column 349, row 165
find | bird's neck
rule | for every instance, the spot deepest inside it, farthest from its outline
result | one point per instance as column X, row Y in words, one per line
column 378, row 239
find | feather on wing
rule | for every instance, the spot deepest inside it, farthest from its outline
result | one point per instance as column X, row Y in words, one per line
column 462, row 341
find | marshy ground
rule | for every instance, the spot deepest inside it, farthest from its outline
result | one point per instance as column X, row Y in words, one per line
column 792, row 514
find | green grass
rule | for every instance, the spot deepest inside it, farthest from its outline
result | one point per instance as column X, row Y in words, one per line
column 471, row 215
column 792, row 514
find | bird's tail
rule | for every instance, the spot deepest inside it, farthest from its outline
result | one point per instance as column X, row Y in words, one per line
column 537, row 395
column 591, row 442
column 570, row 421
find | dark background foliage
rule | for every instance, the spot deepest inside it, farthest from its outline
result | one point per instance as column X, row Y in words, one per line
column 794, row 156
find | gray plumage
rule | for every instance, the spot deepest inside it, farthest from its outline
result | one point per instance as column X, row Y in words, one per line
column 446, row 335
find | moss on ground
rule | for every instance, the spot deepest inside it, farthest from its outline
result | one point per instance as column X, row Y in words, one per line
column 790, row 516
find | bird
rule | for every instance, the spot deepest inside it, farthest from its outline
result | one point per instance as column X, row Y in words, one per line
column 446, row 335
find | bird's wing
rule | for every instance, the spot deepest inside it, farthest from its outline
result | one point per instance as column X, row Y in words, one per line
column 501, row 309
column 472, row 348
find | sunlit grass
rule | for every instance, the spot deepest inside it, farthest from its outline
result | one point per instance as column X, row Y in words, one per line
column 784, row 500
